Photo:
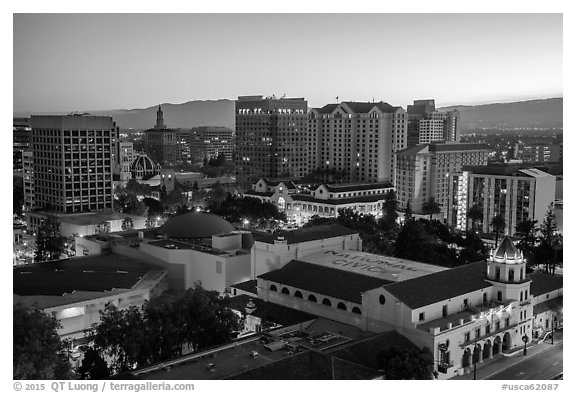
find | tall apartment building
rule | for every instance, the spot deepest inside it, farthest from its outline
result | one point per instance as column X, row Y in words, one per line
column 357, row 138
column 427, row 125
column 72, row 162
column 210, row 142
column 271, row 137
column 21, row 136
column 516, row 192
column 423, row 171
column 161, row 143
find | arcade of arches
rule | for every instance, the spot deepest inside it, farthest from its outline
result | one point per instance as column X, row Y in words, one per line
column 485, row 349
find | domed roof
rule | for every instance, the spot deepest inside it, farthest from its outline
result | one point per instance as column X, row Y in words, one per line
column 144, row 163
column 195, row 225
column 508, row 251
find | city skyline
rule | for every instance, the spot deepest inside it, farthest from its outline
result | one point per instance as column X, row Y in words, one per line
column 454, row 58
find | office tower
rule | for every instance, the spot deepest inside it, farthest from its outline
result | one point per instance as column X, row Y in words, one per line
column 271, row 137
column 423, row 171
column 125, row 156
column 209, row 142
column 539, row 152
column 358, row 139
column 516, row 192
column 21, row 136
column 28, row 180
column 72, row 162
column 427, row 125
column 161, row 142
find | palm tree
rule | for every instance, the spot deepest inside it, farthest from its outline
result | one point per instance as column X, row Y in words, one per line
column 431, row 207
column 498, row 223
column 475, row 213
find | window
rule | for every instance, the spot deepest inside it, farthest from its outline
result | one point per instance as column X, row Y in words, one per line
column 421, row 316
column 497, row 273
column 499, row 296
column 444, row 310
column 478, row 333
column 273, row 288
column 498, row 325
column 382, row 299
column 510, row 275
column 298, row 294
column 312, row 298
column 507, row 322
column 484, row 297
column 356, row 310
column 327, row 302
column 341, row 306
column 465, row 302
column 467, row 336
column 285, row 291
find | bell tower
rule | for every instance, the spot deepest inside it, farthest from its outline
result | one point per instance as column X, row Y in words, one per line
column 159, row 119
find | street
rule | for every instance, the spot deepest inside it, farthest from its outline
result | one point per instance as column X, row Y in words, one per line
column 541, row 366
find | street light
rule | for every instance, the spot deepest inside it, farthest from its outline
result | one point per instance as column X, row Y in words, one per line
column 525, row 339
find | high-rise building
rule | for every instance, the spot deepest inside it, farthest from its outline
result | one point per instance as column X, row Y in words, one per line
column 125, row 156
column 517, row 192
column 161, row 142
column 271, row 137
column 358, row 139
column 209, row 142
column 28, row 180
column 427, row 125
column 423, row 171
column 72, row 162
column 21, row 136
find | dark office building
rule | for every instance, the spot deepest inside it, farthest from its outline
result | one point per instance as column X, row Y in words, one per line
column 21, row 137
column 272, row 138
column 161, row 142
column 427, row 125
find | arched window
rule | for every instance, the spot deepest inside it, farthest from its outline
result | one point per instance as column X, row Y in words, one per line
column 285, row 291
column 312, row 298
column 356, row 310
column 521, row 273
column 327, row 302
column 281, row 203
column 273, row 288
column 298, row 294
column 341, row 306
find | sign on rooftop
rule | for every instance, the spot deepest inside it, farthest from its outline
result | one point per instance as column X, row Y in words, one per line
column 380, row 266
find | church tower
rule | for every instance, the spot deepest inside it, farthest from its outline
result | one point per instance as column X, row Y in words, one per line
column 159, row 119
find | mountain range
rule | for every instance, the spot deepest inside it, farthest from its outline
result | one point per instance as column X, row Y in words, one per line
column 543, row 113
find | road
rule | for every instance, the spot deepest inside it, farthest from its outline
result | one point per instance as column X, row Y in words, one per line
column 542, row 366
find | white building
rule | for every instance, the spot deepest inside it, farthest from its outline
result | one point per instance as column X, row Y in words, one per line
column 515, row 193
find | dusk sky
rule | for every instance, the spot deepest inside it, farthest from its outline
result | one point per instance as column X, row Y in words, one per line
column 67, row 62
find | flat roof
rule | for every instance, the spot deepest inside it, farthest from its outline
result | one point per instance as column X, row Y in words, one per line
column 92, row 218
column 78, row 279
column 379, row 266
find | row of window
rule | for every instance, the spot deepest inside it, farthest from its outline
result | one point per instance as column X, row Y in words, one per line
column 312, row 298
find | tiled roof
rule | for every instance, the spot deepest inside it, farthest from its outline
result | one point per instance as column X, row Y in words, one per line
column 439, row 147
column 543, row 283
column 506, row 248
column 258, row 193
column 309, row 234
column 433, row 288
column 339, row 201
column 365, row 107
column 323, row 280
column 247, row 286
column 357, row 187
column 551, row 304
column 327, row 108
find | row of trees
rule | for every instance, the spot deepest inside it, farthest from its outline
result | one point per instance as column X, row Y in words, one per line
column 139, row 337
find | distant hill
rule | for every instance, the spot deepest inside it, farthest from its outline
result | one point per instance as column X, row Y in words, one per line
column 534, row 113
column 187, row 115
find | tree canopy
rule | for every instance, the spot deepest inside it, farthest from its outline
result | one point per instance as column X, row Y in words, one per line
column 406, row 363
column 38, row 352
column 49, row 243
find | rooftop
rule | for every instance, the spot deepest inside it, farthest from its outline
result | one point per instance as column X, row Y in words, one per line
column 357, row 186
column 524, row 170
column 247, row 286
column 324, row 280
column 92, row 218
column 338, row 201
column 436, row 287
column 308, row 234
column 77, row 279
column 195, row 225
column 543, row 283
column 550, row 304
column 270, row 312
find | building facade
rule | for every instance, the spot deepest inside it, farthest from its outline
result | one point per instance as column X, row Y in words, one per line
column 28, row 180
column 161, row 143
column 21, row 137
column 72, row 162
column 539, row 152
column 427, row 125
column 205, row 143
column 423, row 171
column 125, row 156
column 515, row 193
column 325, row 201
column 272, row 137
column 358, row 139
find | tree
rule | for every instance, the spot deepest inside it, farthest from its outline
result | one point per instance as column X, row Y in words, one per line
column 475, row 214
column 431, row 207
column 217, row 195
column 549, row 227
column 17, row 198
column 127, row 224
column 389, row 209
column 408, row 212
column 38, row 352
column 526, row 230
column 499, row 224
column 93, row 366
column 411, row 363
column 49, row 243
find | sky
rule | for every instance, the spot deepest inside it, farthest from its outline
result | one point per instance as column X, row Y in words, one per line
column 69, row 62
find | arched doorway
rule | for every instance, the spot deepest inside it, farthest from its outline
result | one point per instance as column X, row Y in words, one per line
column 487, row 350
column 467, row 358
column 477, row 356
column 507, row 344
column 497, row 347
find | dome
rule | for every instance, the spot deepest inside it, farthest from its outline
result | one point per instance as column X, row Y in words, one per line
column 143, row 168
column 195, row 225
column 508, row 252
